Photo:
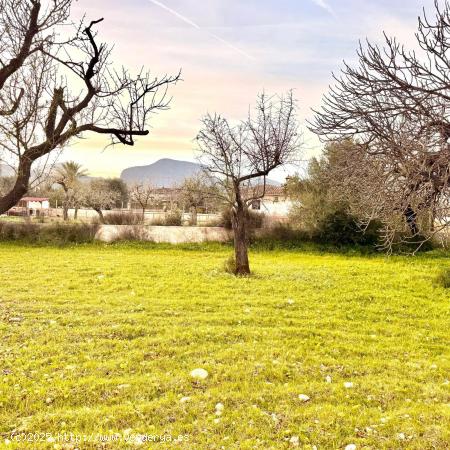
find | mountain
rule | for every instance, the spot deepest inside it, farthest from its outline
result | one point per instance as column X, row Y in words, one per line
column 165, row 173
column 162, row 173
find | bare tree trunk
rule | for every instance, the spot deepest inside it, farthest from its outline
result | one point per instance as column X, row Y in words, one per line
column 240, row 240
column 433, row 219
column 100, row 214
column 194, row 219
column 65, row 211
column 19, row 189
column 411, row 220
column 66, row 202
column 75, row 214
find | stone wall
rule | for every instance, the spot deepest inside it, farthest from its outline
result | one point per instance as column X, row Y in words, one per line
column 160, row 234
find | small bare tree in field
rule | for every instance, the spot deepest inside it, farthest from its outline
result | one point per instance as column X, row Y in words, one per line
column 239, row 158
column 55, row 89
column 99, row 195
column 196, row 192
column 395, row 106
column 142, row 194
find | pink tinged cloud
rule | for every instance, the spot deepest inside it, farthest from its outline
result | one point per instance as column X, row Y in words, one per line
column 196, row 26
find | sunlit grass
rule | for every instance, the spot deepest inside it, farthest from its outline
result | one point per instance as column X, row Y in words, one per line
column 102, row 339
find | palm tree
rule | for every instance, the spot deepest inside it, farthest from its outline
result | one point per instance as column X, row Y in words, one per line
column 68, row 177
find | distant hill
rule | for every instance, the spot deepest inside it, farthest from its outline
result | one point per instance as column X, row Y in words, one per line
column 162, row 173
column 165, row 173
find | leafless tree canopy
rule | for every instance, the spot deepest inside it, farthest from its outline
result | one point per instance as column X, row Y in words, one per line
column 239, row 158
column 243, row 155
column 99, row 195
column 142, row 194
column 199, row 191
column 396, row 105
column 54, row 89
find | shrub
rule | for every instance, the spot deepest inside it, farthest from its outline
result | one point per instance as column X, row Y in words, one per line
column 341, row 228
column 12, row 231
column 159, row 222
column 280, row 236
column 68, row 233
column 214, row 223
column 443, row 278
column 123, row 218
column 404, row 243
column 230, row 265
column 255, row 220
column 57, row 233
column 174, row 219
column 171, row 219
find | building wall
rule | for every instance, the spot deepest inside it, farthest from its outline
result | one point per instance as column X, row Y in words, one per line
column 274, row 206
column 278, row 209
column 39, row 205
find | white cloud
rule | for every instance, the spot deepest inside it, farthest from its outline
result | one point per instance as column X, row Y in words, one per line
column 196, row 26
column 324, row 5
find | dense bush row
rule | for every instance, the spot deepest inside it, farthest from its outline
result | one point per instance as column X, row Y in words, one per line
column 255, row 220
column 123, row 218
column 172, row 219
column 48, row 233
column 337, row 229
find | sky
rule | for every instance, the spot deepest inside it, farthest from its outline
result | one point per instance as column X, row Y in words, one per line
column 229, row 51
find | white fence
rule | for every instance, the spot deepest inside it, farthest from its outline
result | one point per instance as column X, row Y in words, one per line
column 149, row 216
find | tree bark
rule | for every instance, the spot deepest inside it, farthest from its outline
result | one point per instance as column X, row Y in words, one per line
column 411, row 220
column 240, row 239
column 100, row 213
column 433, row 219
column 65, row 211
column 66, row 202
column 20, row 187
column 75, row 214
column 194, row 219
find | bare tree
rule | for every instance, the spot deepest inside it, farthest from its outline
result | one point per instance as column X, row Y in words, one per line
column 142, row 194
column 55, row 89
column 196, row 192
column 239, row 158
column 395, row 106
column 100, row 195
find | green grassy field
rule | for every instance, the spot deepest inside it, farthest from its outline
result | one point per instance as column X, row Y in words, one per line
column 102, row 339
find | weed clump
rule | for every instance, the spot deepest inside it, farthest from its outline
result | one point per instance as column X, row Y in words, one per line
column 230, row 265
column 443, row 278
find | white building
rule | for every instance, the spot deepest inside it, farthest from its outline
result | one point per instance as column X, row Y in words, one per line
column 31, row 206
column 274, row 203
